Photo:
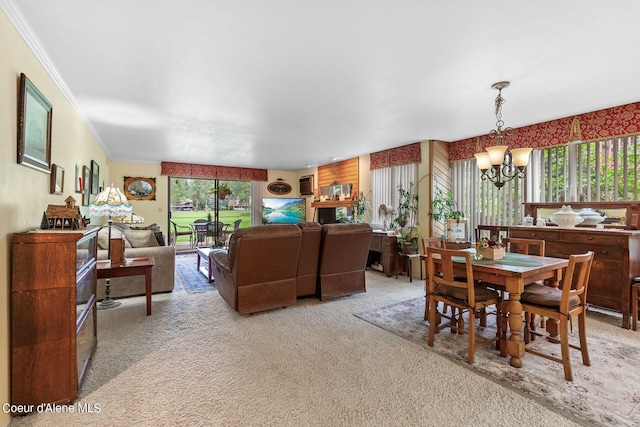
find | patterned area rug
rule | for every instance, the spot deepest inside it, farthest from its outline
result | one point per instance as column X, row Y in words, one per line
column 606, row 393
column 188, row 278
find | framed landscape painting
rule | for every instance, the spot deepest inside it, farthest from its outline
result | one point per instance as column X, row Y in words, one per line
column 95, row 177
column 34, row 127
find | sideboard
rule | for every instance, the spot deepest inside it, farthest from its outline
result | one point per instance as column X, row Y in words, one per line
column 616, row 260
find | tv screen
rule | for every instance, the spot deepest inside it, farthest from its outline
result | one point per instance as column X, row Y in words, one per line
column 282, row 210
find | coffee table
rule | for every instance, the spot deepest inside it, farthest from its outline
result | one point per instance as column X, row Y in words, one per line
column 133, row 267
column 204, row 253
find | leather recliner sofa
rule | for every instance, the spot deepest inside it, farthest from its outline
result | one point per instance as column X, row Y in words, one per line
column 343, row 259
column 258, row 272
column 269, row 266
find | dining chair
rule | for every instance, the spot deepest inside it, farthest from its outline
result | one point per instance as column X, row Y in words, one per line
column 437, row 242
column 524, row 246
column 461, row 296
column 560, row 304
column 181, row 230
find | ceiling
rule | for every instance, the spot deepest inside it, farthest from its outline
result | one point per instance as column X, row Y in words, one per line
column 284, row 84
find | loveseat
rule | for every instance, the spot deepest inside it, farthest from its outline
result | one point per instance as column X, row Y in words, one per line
column 139, row 243
column 270, row 266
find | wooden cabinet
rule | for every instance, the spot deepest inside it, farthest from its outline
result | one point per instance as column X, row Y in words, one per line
column 616, row 260
column 384, row 249
column 53, row 314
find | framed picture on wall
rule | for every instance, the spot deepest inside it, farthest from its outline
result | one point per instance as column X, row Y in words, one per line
column 86, row 185
column 57, row 179
column 95, row 177
column 34, row 127
column 140, row 188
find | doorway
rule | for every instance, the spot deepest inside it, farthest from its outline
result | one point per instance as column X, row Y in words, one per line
column 209, row 208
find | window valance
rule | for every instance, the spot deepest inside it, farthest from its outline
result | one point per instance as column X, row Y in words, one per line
column 397, row 156
column 194, row 170
column 602, row 124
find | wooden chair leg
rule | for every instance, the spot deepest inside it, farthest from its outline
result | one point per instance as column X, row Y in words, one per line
column 432, row 321
column 472, row 336
column 583, row 338
column 527, row 327
column 635, row 295
column 564, row 348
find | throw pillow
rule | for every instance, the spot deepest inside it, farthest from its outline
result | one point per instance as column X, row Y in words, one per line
column 159, row 238
column 103, row 237
column 141, row 238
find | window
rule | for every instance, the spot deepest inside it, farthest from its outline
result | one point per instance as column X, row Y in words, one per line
column 384, row 188
column 606, row 170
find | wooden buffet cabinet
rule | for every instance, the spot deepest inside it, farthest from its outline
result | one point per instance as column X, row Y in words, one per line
column 53, row 314
column 616, row 260
column 385, row 249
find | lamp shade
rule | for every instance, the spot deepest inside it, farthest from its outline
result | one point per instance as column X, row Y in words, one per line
column 129, row 219
column 483, row 160
column 496, row 154
column 111, row 202
column 521, row 156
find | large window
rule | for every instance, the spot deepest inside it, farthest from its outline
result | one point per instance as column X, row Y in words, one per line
column 384, row 188
column 606, row 170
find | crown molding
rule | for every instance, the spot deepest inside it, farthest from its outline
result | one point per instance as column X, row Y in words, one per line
column 13, row 12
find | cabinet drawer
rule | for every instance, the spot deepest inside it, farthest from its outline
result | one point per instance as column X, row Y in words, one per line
column 596, row 239
column 85, row 339
column 85, row 289
column 376, row 244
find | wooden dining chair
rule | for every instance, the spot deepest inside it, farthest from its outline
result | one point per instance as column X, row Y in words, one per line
column 434, row 242
column 560, row 304
column 524, row 246
column 461, row 296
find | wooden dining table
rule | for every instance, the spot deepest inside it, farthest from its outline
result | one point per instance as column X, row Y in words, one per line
column 514, row 275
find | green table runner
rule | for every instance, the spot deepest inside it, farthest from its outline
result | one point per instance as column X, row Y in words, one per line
column 519, row 260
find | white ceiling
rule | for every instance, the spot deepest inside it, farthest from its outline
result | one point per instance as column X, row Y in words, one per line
column 282, row 84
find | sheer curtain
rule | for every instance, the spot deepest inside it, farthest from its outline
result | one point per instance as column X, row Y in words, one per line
column 384, row 187
column 257, row 193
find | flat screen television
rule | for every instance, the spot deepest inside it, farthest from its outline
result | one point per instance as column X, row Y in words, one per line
column 283, row 210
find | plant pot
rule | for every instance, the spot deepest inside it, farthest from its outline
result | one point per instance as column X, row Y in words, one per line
column 492, row 253
column 409, row 249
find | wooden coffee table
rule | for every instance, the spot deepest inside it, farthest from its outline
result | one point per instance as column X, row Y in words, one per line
column 204, row 253
column 133, row 267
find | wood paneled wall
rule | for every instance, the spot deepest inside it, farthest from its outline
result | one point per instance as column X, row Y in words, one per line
column 345, row 172
column 441, row 178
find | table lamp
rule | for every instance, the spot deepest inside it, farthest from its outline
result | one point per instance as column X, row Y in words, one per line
column 110, row 202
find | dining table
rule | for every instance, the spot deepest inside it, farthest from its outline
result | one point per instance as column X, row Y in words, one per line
column 513, row 273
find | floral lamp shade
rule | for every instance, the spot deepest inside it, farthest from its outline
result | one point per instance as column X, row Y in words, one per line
column 111, row 202
column 129, row 219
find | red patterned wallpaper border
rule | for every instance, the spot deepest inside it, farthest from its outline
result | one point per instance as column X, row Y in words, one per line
column 611, row 122
column 397, row 156
column 194, row 170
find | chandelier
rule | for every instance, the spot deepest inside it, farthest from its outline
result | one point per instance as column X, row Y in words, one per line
column 499, row 164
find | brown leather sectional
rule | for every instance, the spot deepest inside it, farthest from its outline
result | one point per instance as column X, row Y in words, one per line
column 270, row 266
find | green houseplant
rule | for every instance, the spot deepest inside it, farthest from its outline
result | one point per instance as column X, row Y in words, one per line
column 360, row 208
column 444, row 207
column 406, row 216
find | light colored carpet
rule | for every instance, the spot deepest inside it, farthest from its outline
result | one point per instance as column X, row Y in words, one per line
column 196, row 362
column 604, row 393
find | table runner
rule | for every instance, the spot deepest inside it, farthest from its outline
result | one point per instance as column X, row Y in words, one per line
column 520, row 260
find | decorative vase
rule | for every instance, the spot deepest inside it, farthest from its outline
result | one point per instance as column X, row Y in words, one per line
column 492, row 253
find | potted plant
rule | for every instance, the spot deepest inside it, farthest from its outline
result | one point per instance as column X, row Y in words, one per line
column 360, row 207
column 443, row 207
column 405, row 220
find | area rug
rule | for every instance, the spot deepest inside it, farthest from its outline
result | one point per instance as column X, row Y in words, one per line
column 188, row 278
column 605, row 393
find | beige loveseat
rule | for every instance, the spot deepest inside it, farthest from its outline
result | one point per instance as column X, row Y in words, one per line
column 138, row 243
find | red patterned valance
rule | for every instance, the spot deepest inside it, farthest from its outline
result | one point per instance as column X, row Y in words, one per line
column 611, row 122
column 193, row 170
column 396, row 156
